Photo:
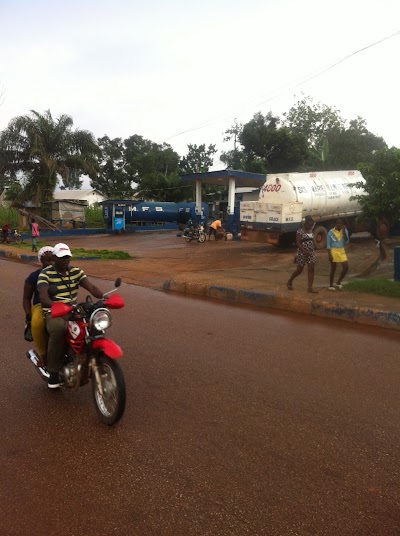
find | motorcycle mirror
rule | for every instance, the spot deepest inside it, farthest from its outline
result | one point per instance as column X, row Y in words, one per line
column 118, row 282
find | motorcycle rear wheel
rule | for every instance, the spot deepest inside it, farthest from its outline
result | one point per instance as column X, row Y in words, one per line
column 110, row 405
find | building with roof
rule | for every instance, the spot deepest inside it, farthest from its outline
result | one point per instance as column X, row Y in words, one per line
column 87, row 197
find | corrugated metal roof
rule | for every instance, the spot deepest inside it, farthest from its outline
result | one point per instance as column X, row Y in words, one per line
column 76, row 195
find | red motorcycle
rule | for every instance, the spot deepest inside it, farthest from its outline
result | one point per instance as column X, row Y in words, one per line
column 89, row 355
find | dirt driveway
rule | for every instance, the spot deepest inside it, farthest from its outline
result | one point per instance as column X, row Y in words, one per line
column 159, row 256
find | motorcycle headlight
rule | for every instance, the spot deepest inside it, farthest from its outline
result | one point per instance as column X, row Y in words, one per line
column 100, row 319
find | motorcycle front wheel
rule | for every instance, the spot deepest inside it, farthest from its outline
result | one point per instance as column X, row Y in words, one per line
column 202, row 237
column 110, row 400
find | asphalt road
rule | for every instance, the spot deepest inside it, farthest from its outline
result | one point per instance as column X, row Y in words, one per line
column 238, row 422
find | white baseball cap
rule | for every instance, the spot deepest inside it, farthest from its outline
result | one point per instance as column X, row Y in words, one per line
column 44, row 250
column 62, row 250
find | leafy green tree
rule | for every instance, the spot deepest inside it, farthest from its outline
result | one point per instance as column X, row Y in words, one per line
column 233, row 158
column 199, row 159
column 351, row 146
column 155, row 169
column 276, row 147
column 313, row 121
column 15, row 191
column 382, row 185
column 41, row 149
column 333, row 142
column 113, row 180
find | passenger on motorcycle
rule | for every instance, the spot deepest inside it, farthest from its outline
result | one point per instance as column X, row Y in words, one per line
column 66, row 281
column 32, row 307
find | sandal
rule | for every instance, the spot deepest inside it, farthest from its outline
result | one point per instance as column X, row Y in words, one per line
column 313, row 291
column 289, row 286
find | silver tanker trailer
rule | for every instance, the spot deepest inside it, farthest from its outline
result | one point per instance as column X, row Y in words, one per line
column 286, row 198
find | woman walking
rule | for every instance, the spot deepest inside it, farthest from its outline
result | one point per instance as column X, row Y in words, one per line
column 305, row 254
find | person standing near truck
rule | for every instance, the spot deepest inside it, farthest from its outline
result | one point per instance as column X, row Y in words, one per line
column 305, row 254
column 338, row 238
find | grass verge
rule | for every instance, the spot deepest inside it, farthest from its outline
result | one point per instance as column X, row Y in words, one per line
column 381, row 287
column 102, row 254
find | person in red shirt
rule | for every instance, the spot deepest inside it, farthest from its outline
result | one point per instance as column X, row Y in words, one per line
column 35, row 233
column 4, row 232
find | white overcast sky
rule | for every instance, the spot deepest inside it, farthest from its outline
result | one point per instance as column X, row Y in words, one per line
column 158, row 68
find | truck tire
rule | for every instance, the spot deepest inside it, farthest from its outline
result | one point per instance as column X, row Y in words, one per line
column 286, row 240
column 320, row 237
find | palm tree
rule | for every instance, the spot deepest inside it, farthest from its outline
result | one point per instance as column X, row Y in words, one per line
column 42, row 149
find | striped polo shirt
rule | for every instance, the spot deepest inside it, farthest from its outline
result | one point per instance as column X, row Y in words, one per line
column 67, row 284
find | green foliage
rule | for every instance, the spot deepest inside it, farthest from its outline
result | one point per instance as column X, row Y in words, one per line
column 36, row 150
column 332, row 144
column 103, row 254
column 9, row 215
column 81, row 253
column 94, row 218
column 381, row 287
column 382, row 176
column 41, row 149
column 113, row 180
column 266, row 146
column 155, row 169
column 15, row 191
column 313, row 121
column 198, row 159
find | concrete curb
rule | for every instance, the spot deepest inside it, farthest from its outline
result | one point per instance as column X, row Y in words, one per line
column 272, row 300
column 23, row 257
column 269, row 299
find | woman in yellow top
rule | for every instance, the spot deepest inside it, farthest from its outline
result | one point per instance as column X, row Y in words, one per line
column 338, row 238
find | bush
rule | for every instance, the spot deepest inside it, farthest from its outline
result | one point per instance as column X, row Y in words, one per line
column 94, row 218
column 9, row 215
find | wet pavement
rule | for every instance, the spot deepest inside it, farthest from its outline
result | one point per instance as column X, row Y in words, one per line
column 245, row 272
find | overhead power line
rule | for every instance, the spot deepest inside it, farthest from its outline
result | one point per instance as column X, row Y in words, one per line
column 291, row 85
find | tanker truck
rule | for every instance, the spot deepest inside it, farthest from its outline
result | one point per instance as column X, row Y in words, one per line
column 286, row 198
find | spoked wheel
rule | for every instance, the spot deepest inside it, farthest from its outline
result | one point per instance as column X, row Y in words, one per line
column 110, row 399
column 202, row 237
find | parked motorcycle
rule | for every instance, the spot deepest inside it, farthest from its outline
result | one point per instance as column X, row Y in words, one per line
column 12, row 236
column 196, row 232
column 89, row 355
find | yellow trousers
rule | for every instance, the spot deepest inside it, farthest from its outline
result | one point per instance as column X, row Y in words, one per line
column 39, row 333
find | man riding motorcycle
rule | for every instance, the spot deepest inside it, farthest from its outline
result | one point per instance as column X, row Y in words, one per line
column 65, row 281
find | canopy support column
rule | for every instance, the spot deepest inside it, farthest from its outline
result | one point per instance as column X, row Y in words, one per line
column 231, row 195
column 198, row 197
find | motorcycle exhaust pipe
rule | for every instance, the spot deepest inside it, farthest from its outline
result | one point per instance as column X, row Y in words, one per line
column 34, row 359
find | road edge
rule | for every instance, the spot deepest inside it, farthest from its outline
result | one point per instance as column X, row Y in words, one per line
column 273, row 300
